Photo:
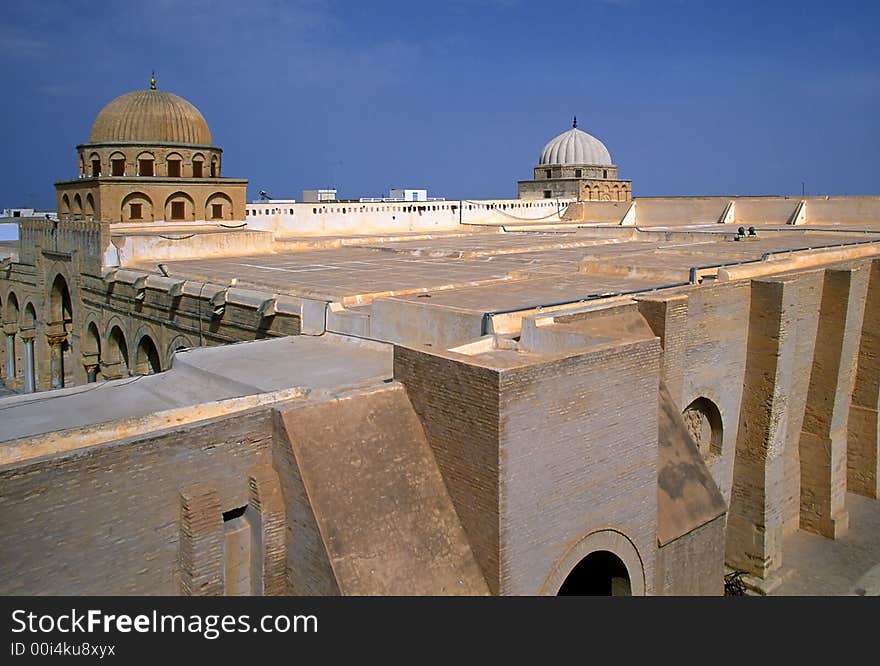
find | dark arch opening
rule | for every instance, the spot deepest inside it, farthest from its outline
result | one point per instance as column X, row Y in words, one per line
column 117, row 353
column 599, row 573
column 61, row 307
column 92, row 352
column 147, row 362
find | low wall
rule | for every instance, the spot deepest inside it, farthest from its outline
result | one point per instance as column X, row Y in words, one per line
column 672, row 211
column 168, row 244
column 842, row 210
column 355, row 218
column 78, row 523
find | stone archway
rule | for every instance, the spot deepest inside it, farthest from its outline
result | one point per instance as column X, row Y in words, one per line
column 91, row 352
column 619, row 571
column 60, row 319
column 11, row 323
column 601, row 573
column 147, row 360
column 116, row 363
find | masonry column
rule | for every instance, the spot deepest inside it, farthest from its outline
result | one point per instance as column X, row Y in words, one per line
column 863, row 437
column 56, row 349
column 91, row 372
column 9, row 331
column 30, row 368
column 756, row 516
column 823, row 435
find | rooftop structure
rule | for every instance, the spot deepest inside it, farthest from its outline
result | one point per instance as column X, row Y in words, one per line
column 576, row 165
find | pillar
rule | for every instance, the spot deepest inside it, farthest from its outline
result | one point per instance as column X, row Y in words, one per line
column 56, row 351
column 824, row 432
column 10, row 351
column 756, row 516
column 863, row 436
column 200, row 556
column 30, row 369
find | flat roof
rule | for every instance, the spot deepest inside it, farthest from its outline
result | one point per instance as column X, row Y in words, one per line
column 202, row 375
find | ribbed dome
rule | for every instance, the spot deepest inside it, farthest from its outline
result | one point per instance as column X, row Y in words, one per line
column 150, row 116
column 576, row 147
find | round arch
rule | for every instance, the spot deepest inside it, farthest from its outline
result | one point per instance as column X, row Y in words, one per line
column 117, row 351
column 60, row 305
column 706, row 426
column 610, row 541
column 177, row 344
column 13, row 311
column 65, row 204
column 90, row 205
column 146, row 164
column 218, row 206
column 147, row 360
column 180, row 207
column 136, row 207
column 174, row 164
column 29, row 316
column 198, row 165
column 91, row 350
column 77, row 204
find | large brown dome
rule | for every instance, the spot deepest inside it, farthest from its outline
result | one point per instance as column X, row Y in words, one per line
column 150, row 116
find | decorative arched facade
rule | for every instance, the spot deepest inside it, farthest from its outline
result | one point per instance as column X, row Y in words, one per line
column 158, row 145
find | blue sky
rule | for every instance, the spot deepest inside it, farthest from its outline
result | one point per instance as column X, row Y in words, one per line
column 690, row 96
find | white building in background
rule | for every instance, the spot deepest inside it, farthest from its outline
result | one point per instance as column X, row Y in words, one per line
column 316, row 196
column 403, row 194
column 28, row 212
column 269, row 207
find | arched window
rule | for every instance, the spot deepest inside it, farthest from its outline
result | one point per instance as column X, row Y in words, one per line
column 179, row 207
column 145, row 164
column 137, row 207
column 703, row 421
column 215, row 168
column 198, row 166
column 90, row 205
column 173, row 165
column 218, row 207
column 117, row 164
column 77, row 204
column 95, row 161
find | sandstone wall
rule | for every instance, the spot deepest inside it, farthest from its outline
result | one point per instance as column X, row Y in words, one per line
column 106, row 520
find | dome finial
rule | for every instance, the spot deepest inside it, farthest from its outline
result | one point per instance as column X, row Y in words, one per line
column 574, row 123
column 153, row 80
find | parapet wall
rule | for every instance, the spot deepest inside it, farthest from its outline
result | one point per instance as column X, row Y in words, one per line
column 845, row 211
column 339, row 218
column 106, row 519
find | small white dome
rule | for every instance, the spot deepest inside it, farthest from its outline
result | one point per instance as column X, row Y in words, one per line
column 576, row 147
